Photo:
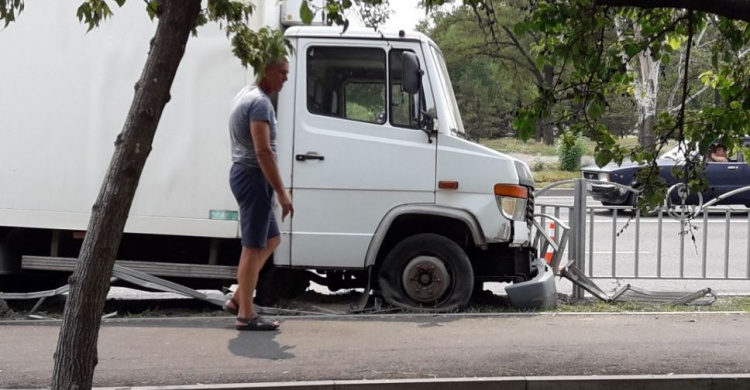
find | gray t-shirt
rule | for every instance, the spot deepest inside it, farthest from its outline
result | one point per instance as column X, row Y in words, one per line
column 250, row 104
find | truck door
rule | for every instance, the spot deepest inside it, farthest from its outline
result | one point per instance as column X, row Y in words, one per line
column 354, row 157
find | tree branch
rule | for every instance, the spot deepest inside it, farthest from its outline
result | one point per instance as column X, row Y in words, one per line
column 731, row 9
column 681, row 74
column 681, row 117
column 690, row 99
column 525, row 54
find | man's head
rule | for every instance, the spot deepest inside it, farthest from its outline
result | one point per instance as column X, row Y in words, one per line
column 274, row 76
column 721, row 150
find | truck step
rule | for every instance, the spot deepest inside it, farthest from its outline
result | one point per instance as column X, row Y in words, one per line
column 177, row 270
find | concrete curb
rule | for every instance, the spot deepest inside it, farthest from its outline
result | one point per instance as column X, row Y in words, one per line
column 635, row 382
column 378, row 317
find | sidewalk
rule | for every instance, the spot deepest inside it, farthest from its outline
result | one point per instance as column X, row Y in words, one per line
column 155, row 352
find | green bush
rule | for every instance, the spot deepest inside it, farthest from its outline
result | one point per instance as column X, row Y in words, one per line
column 538, row 165
column 569, row 154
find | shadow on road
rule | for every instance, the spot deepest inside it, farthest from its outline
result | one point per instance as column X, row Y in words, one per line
column 259, row 345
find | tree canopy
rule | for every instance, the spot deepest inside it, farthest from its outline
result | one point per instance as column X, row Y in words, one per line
column 597, row 43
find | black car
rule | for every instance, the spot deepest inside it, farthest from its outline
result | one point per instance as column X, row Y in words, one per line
column 722, row 178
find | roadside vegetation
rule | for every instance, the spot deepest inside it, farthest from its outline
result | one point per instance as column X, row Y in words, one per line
column 545, row 160
column 538, row 148
column 314, row 303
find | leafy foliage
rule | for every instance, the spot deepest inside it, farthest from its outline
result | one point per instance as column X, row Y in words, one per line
column 9, row 9
column 569, row 153
column 490, row 81
column 583, row 36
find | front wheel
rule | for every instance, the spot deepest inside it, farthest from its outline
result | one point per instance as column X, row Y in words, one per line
column 427, row 272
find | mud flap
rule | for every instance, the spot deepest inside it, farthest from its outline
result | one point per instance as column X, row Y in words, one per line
column 537, row 293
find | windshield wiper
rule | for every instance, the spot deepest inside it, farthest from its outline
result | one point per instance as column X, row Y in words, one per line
column 462, row 135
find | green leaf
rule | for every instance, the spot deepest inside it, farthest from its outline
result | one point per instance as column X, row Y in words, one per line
column 603, row 158
column 120, row 2
column 152, row 7
column 632, row 49
column 595, row 108
column 306, row 13
column 674, row 42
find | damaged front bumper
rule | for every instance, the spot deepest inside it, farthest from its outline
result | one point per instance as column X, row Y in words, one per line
column 537, row 293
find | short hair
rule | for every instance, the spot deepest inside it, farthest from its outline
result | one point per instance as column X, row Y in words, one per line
column 277, row 62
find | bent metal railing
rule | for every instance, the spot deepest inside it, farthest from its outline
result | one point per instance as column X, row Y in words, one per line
column 676, row 257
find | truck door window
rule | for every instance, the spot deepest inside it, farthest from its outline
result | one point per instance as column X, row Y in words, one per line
column 347, row 82
column 404, row 107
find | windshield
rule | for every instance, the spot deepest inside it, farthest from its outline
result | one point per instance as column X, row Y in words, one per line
column 445, row 83
column 678, row 155
column 672, row 154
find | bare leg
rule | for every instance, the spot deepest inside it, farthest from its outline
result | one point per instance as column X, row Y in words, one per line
column 251, row 262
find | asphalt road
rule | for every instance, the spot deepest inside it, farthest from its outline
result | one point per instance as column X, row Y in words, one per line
column 208, row 350
column 614, row 255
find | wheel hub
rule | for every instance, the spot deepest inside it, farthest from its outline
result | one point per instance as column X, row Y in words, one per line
column 426, row 279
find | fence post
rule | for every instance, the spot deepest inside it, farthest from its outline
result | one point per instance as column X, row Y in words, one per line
column 578, row 232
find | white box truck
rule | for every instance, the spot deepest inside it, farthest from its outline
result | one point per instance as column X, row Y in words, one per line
column 385, row 185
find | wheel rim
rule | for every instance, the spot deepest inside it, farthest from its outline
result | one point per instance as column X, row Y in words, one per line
column 425, row 279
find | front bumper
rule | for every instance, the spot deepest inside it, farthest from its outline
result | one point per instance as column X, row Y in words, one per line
column 608, row 193
column 537, row 293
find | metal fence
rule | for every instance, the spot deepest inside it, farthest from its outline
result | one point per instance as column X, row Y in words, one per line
column 705, row 242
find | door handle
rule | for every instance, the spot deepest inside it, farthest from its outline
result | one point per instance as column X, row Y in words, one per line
column 309, row 156
column 733, row 167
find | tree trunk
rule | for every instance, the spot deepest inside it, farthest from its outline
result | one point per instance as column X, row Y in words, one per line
column 76, row 355
column 732, row 9
column 646, row 90
column 646, row 93
column 547, row 128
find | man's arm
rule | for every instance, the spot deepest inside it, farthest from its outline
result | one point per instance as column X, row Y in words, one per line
column 261, row 133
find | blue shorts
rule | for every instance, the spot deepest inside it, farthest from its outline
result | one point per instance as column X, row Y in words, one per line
column 255, row 196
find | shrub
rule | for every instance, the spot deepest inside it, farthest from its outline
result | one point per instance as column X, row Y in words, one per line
column 569, row 154
column 538, row 165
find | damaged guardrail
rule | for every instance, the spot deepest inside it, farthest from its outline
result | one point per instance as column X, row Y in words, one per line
column 573, row 237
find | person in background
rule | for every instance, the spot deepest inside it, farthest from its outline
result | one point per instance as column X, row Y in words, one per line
column 717, row 153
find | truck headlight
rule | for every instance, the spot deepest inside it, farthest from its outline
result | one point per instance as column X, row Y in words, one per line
column 604, row 176
column 512, row 201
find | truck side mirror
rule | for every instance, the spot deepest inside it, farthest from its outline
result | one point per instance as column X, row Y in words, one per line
column 411, row 73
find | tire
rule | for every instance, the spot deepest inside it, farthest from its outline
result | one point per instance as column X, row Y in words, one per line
column 277, row 283
column 414, row 272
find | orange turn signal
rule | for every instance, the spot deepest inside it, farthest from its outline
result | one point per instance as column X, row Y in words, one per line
column 513, row 191
column 448, row 185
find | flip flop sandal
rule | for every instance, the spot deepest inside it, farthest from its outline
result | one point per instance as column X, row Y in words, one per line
column 232, row 310
column 257, row 323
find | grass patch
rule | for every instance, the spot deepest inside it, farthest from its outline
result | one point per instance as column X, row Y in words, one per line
column 596, row 306
column 544, row 178
column 484, row 302
column 488, row 303
column 515, row 145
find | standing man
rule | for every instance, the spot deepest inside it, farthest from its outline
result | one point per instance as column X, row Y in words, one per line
column 254, row 178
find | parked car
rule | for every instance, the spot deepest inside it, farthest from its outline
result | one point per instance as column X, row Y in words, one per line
column 722, row 178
